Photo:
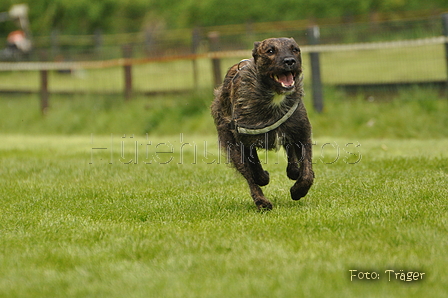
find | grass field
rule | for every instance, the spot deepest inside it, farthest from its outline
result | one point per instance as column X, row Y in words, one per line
column 414, row 113
column 92, row 206
column 80, row 222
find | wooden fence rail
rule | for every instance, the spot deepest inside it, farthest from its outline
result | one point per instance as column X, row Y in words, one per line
column 126, row 62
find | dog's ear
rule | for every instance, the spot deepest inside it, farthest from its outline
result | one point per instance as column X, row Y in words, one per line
column 255, row 50
column 293, row 40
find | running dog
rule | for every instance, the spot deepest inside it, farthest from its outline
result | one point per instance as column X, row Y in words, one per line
column 259, row 105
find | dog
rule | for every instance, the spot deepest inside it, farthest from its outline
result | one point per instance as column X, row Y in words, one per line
column 259, row 105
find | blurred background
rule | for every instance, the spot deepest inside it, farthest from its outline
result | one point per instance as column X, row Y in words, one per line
column 104, row 52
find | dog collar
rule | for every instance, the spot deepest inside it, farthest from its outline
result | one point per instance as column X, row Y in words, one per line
column 250, row 131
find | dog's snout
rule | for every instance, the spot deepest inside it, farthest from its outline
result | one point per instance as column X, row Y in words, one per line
column 289, row 61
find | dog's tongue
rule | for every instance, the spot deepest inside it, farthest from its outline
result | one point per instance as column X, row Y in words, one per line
column 286, row 79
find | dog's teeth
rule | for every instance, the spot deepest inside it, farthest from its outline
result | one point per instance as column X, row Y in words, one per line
column 288, row 86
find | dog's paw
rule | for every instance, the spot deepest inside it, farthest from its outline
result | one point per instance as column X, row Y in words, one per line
column 263, row 204
column 298, row 192
column 300, row 188
column 293, row 171
column 262, row 178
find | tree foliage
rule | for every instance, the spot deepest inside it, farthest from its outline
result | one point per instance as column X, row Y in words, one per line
column 115, row 16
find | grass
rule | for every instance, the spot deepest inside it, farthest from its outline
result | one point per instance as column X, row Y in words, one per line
column 159, row 213
column 74, row 225
column 411, row 64
column 414, row 113
column 176, row 75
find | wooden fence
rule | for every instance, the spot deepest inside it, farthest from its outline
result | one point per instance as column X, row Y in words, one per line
column 127, row 63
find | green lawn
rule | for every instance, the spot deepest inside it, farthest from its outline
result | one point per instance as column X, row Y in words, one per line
column 80, row 222
column 91, row 206
column 412, row 64
column 162, row 76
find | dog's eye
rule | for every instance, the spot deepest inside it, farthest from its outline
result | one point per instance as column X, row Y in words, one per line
column 270, row 51
column 295, row 50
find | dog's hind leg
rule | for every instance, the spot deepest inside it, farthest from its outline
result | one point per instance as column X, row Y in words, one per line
column 304, row 175
column 238, row 154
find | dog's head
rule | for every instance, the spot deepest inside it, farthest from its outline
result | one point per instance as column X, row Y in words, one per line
column 279, row 63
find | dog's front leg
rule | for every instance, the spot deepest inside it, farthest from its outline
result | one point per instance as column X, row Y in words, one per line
column 302, row 153
column 240, row 157
column 261, row 177
column 293, row 169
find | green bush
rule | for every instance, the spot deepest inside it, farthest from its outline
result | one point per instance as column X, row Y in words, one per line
column 414, row 113
column 114, row 16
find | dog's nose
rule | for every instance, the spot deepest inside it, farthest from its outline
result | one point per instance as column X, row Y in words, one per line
column 289, row 61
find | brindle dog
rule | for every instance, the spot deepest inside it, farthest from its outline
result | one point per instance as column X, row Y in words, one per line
column 259, row 105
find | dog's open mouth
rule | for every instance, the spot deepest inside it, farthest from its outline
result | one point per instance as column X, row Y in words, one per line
column 286, row 79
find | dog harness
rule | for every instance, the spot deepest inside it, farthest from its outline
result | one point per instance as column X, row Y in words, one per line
column 257, row 131
column 261, row 130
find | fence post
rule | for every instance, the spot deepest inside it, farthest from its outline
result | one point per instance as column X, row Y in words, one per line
column 43, row 91
column 54, row 40
column 195, row 41
column 127, row 68
column 216, row 62
column 445, row 33
column 43, row 77
column 98, row 40
column 316, row 83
